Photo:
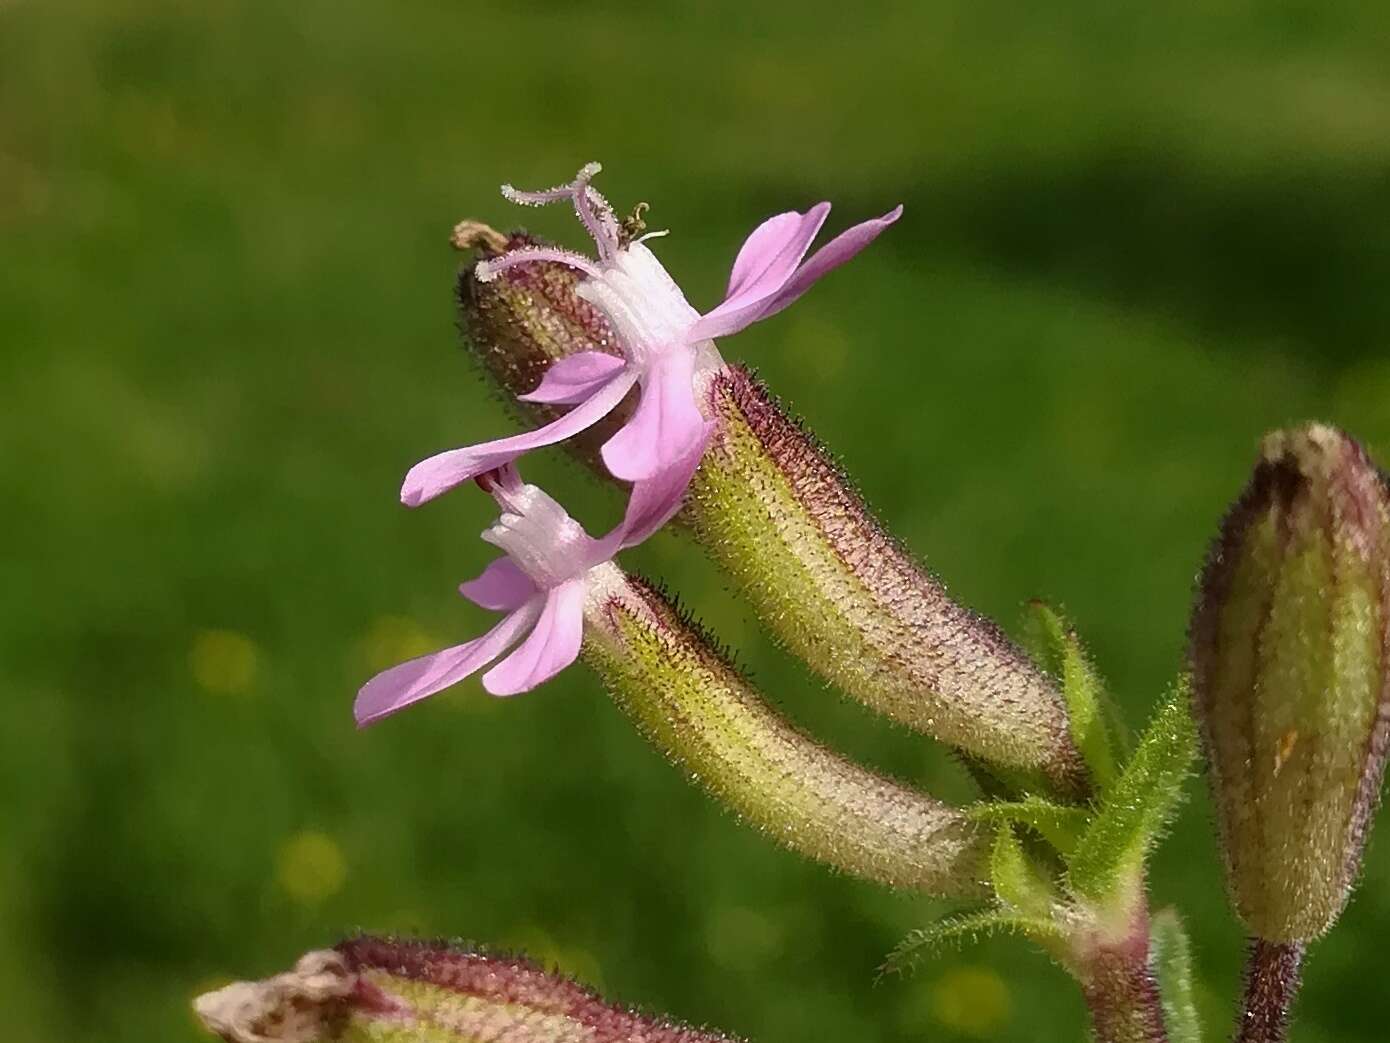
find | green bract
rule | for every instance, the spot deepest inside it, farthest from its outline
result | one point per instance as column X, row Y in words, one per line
column 1109, row 857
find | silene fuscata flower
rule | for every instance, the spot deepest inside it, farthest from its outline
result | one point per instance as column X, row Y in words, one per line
column 663, row 339
column 549, row 569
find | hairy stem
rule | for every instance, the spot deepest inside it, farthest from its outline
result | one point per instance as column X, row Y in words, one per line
column 1125, row 1006
column 1121, row 991
column 1273, row 973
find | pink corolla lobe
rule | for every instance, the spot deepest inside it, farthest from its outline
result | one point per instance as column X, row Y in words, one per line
column 541, row 583
column 663, row 339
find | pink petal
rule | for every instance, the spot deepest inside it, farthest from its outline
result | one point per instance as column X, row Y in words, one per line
column 665, row 425
column 829, row 257
column 440, row 473
column 652, row 503
column 732, row 316
column 656, row 500
column 501, row 587
column 552, row 646
column 770, row 255
column 574, row 378
column 398, row 687
column 767, row 260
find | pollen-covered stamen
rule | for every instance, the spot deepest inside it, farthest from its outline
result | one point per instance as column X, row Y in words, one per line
column 597, row 216
column 631, row 228
column 546, row 196
column 537, row 533
column 592, row 208
column 489, row 268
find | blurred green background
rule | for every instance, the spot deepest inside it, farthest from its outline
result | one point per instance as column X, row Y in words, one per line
column 1136, row 237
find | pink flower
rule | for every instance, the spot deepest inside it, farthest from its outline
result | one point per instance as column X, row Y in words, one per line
column 663, row 339
column 542, row 583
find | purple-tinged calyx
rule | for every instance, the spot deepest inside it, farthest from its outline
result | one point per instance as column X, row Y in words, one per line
column 665, row 343
column 381, row 990
column 771, row 506
column 692, row 704
column 541, row 584
column 1291, row 691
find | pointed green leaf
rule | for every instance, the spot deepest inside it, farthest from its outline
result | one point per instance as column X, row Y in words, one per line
column 1170, row 958
column 1019, row 884
column 1061, row 825
column 1138, row 805
column 926, row 941
column 1058, row 651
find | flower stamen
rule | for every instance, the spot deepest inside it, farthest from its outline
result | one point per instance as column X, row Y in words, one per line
column 490, row 267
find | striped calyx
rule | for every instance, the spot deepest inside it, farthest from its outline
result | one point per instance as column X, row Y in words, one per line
column 1291, row 690
column 384, row 990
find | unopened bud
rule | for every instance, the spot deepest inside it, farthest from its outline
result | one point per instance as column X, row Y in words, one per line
column 694, row 706
column 379, row 990
column 1289, row 641
column 770, row 506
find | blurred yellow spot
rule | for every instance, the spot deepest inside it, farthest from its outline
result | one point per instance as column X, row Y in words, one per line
column 310, row 867
column 394, row 639
column 223, row 661
column 973, row 1001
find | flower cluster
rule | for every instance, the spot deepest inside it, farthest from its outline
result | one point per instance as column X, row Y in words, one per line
column 1287, row 681
column 544, row 579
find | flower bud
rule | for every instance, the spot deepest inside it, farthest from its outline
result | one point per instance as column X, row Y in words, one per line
column 379, row 990
column 694, row 706
column 1288, row 647
column 769, row 505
